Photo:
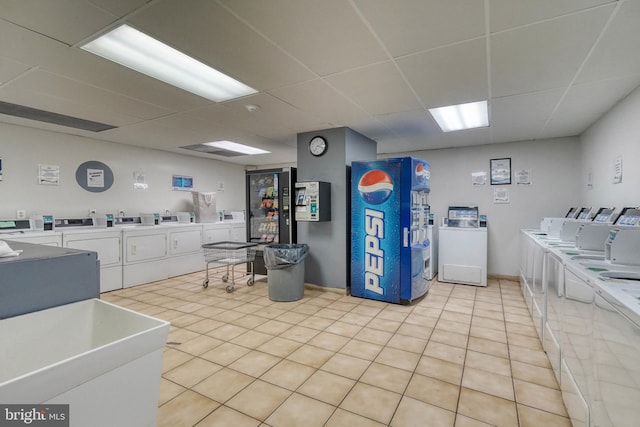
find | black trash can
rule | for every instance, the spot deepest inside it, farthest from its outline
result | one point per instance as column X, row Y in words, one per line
column 285, row 270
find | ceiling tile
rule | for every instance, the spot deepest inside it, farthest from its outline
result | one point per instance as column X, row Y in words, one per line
column 379, row 89
column 210, row 33
column 68, row 21
column 450, row 75
column 611, row 56
column 10, row 69
column 409, row 26
column 327, row 36
column 119, row 7
column 545, row 55
column 27, row 47
column 320, row 99
column 506, row 14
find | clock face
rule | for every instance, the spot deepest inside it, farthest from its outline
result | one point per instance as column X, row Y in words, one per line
column 318, row 146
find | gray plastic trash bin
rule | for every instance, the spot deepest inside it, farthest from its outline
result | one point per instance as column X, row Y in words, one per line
column 285, row 271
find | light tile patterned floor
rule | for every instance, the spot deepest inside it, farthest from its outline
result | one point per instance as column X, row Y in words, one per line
column 462, row 356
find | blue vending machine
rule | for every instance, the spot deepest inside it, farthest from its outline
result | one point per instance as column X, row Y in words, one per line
column 389, row 222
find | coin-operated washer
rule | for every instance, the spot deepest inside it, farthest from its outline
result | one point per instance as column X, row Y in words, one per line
column 462, row 247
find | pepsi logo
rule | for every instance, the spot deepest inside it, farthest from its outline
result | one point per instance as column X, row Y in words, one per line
column 422, row 173
column 375, row 187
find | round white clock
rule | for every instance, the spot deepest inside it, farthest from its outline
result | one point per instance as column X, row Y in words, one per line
column 318, row 146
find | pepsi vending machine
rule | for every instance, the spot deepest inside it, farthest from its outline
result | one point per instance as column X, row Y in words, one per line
column 389, row 221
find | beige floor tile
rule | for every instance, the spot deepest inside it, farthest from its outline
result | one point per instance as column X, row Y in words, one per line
column 204, row 326
column 329, row 341
column 516, row 328
column 416, row 331
column 531, row 417
column 225, row 353
column 229, row 316
column 386, row 377
column 225, row 416
column 532, row 343
column 414, row 413
column 366, row 310
column 488, row 382
column 374, row 336
column 280, row 347
column 522, row 319
column 299, row 333
column 311, row 356
column 227, row 332
column 185, row 320
column 488, row 312
column 168, row 390
column 249, row 308
column 292, row 318
column 462, row 421
column 533, row 357
column 540, row 397
column 249, row 321
column 223, row 385
column 356, row 319
column 180, row 336
column 343, row 305
column 433, row 391
column 192, row 372
column 487, row 408
column 209, row 312
column 452, row 326
column 172, row 358
column 185, row 410
column 288, row 374
column 392, row 315
column 424, row 321
column 486, row 322
column 307, row 309
column 359, row 401
column 487, row 346
column 400, row 359
column 329, row 313
column 440, row 369
column 488, row 362
column 534, row 374
column 407, row 343
column 342, row 418
column 272, row 327
column 299, row 410
column 456, row 316
column 451, row 338
column 384, row 324
column 199, row 345
column 327, row 387
column 488, row 333
column 255, row 363
column 259, row 399
column 316, row 323
column 269, row 312
column 347, row 366
column 445, row 352
column 362, row 349
column 251, row 339
column 343, row 329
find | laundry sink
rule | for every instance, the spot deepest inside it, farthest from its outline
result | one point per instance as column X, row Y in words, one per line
column 587, row 257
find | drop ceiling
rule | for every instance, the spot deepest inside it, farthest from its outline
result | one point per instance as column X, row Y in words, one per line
column 549, row 68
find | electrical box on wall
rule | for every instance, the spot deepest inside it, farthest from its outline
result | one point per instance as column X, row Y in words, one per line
column 313, row 201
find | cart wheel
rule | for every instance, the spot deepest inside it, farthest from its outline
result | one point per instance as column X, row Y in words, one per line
column 225, row 278
column 205, row 284
column 229, row 289
column 250, row 282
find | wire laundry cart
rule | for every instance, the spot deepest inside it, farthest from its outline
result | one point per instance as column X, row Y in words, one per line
column 229, row 254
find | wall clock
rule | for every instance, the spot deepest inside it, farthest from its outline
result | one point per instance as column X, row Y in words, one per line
column 318, row 146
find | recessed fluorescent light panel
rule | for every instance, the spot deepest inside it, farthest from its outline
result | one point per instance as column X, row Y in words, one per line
column 238, row 148
column 136, row 50
column 461, row 116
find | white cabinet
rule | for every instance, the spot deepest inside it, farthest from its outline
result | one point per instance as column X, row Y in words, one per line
column 145, row 252
column 185, row 249
column 108, row 244
column 238, row 232
column 225, row 231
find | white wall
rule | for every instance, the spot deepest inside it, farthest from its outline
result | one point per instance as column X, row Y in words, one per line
column 22, row 149
column 617, row 133
column 555, row 166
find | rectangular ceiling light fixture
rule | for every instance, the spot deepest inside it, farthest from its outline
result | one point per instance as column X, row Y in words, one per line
column 129, row 47
column 461, row 116
column 238, row 148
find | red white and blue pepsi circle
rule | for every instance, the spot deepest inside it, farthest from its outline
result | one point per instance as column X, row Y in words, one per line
column 421, row 173
column 375, row 187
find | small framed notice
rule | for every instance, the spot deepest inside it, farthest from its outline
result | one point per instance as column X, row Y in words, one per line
column 500, row 171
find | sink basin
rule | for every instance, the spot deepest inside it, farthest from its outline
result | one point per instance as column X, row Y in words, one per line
column 621, row 275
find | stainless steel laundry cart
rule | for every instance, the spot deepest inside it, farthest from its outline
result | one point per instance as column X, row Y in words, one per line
column 228, row 255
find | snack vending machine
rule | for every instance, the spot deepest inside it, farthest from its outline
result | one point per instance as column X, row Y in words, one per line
column 270, row 217
column 390, row 250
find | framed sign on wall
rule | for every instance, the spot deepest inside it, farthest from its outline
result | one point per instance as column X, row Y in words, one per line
column 500, row 171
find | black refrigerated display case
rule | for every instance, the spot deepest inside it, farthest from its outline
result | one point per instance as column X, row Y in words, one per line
column 270, row 217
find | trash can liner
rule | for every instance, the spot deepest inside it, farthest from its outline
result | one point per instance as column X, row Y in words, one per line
column 284, row 255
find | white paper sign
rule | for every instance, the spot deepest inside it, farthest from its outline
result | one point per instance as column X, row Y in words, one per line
column 478, row 178
column 523, row 176
column 501, row 195
column 617, row 170
column 95, row 178
column 48, row 174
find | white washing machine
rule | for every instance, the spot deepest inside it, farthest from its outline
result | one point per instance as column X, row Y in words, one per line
column 431, row 265
column 462, row 247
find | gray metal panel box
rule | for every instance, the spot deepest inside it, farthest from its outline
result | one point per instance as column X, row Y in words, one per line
column 46, row 276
